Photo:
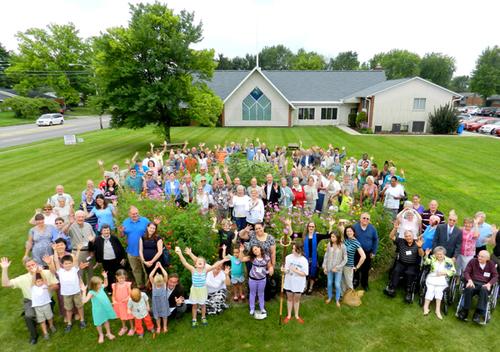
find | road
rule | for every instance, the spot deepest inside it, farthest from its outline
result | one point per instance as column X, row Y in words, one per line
column 23, row 134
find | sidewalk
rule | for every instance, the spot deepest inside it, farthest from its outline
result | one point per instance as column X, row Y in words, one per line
column 352, row 132
column 348, row 130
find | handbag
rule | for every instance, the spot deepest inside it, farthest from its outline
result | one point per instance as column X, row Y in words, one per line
column 165, row 257
column 352, row 298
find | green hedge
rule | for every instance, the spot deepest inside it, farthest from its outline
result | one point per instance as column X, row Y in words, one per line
column 30, row 108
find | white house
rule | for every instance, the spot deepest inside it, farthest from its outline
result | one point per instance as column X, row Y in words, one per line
column 291, row 98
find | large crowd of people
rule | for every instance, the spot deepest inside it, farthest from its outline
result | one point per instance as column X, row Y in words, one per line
column 74, row 237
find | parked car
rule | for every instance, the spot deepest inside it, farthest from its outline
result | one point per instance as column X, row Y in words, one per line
column 471, row 109
column 50, row 119
column 488, row 111
column 497, row 132
column 464, row 117
column 490, row 127
column 475, row 125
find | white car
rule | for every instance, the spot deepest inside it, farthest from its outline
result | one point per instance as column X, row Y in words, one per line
column 472, row 109
column 490, row 128
column 50, row 119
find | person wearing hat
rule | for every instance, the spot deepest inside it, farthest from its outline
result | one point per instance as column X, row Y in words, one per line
column 203, row 175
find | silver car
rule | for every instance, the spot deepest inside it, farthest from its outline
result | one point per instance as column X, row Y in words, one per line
column 50, row 119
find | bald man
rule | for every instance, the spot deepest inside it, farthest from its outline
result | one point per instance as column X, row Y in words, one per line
column 480, row 275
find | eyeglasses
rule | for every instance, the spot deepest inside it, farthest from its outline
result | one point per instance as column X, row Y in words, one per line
column 312, row 226
column 365, row 218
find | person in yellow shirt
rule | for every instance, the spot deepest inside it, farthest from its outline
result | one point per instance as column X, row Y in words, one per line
column 24, row 283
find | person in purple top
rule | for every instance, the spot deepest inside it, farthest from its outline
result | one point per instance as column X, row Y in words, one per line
column 367, row 236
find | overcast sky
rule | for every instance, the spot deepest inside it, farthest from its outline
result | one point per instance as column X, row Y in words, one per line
column 234, row 27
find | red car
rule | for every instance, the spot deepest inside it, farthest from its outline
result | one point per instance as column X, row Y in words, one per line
column 497, row 131
column 475, row 125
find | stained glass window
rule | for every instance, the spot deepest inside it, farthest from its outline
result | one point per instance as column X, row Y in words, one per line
column 256, row 106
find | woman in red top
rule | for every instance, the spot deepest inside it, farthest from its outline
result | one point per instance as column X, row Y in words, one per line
column 298, row 193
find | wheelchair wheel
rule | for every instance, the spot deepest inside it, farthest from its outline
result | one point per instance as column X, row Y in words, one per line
column 445, row 307
column 453, row 288
column 494, row 296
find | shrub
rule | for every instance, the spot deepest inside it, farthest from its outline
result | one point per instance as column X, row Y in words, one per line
column 28, row 108
column 382, row 221
column 246, row 169
column 351, row 119
column 183, row 227
column 361, row 118
column 444, row 120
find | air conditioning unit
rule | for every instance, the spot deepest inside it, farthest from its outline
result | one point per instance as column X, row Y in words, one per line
column 418, row 126
column 396, row 128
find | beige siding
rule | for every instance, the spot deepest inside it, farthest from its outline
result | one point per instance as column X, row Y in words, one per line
column 342, row 114
column 233, row 110
column 396, row 105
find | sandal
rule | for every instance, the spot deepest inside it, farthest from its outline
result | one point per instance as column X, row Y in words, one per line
column 122, row 331
column 131, row 332
column 110, row 336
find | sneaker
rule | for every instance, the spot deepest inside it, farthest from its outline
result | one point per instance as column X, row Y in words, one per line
column 462, row 315
column 300, row 320
column 476, row 318
column 68, row 328
column 53, row 329
column 83, row 325
column 46, row 336
column 286, row 320
column 33, row 341
column 263, row 311
column 252, row 312
column 204, row 321
column 408, row 297
column 194, row 324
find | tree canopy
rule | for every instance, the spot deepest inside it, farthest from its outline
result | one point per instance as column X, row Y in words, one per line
column 148, row 73
column 460, row 84
column 308, row 60
column 276, row 57
column 52, row 59
column 437, row 68
column 397, row 63
column 485, row 78
column 4, row 63
column 347, row 60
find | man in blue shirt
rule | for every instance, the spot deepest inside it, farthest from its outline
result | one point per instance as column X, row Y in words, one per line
column 485, row 232
column 134, row 228
column 366, row 234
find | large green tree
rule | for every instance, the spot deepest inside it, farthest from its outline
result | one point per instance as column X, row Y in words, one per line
column 224, row 63
column 460, row 84
column 52, row 59
column 276, row 57
column 485, row 78
column 347, row 60
column 437, row 68
column 308, row 60
column 397, row 63
column 4, row 63
column 148, row 72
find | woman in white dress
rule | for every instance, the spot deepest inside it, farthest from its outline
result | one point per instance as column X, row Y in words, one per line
column 296, row 269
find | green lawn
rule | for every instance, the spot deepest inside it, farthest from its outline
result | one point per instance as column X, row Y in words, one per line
column 81, row 111
column 462, row 173
column 7, row 118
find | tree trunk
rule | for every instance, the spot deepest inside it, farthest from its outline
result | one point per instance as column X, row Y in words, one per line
column 165, row 126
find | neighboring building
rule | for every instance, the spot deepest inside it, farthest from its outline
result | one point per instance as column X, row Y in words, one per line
column 494, row 100
column 471, row 99
column 6, row 93
column 292, row 98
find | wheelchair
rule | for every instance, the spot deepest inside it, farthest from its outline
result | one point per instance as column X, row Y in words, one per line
column 490, row 304
column 414, row 286
column 449, row 294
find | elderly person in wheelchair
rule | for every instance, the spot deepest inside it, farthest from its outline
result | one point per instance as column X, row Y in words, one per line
column 441, row 271
column 480, row 277
column 408, row 253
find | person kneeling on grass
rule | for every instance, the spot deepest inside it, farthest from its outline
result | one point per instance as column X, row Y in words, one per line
column 102, row 310
column 296, row 269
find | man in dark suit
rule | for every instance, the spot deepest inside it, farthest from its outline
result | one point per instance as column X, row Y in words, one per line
column 175, row 296
column 271, row 191
column 307, row 159
column 449, row 236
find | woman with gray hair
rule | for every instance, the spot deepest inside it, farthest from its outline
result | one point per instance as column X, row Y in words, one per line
column 241, row 206
column 441, row 270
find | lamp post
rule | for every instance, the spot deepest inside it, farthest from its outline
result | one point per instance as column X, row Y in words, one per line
column 95, row 84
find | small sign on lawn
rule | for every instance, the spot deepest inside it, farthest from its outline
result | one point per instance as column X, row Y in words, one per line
column 69, row 139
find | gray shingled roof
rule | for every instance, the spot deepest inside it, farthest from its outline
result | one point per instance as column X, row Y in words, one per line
column 303, row 85
column 370, row 90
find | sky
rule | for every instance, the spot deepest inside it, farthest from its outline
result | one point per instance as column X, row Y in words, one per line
column 236, row 27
